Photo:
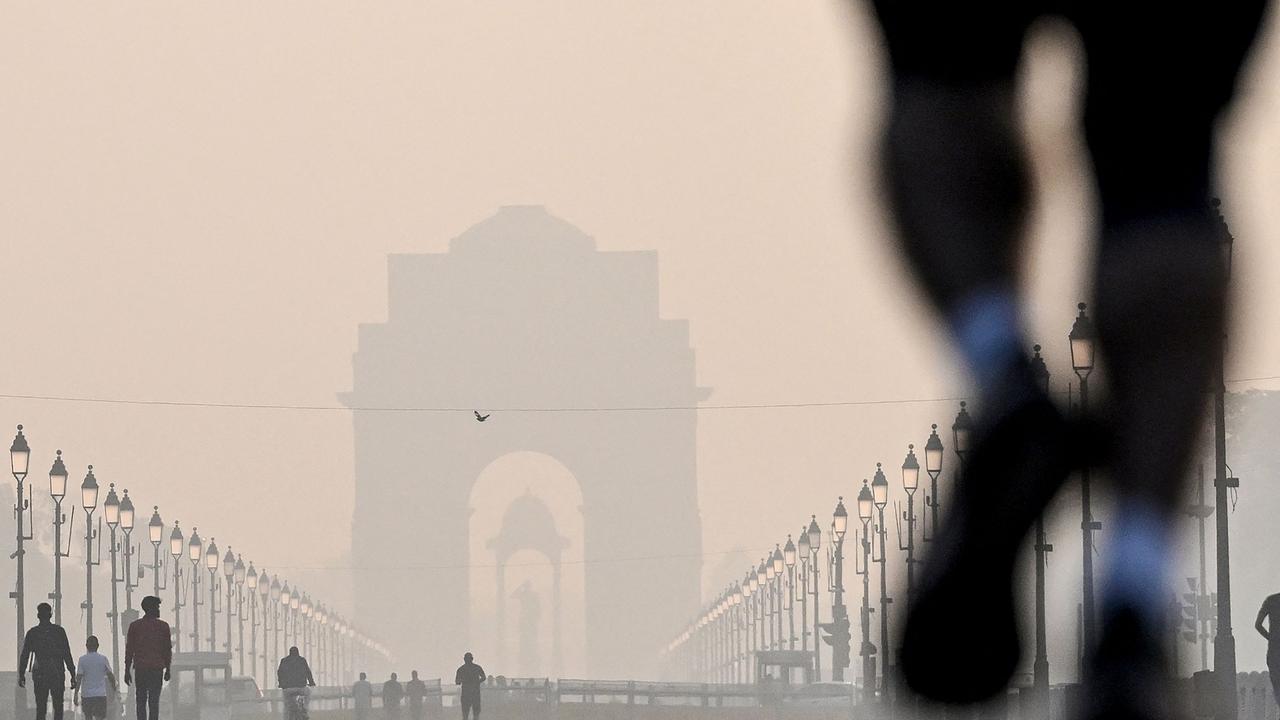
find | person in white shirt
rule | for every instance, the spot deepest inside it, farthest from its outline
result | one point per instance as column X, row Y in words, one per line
column 93, row 676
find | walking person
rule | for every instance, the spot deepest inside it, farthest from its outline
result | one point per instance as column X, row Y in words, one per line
column 415, row 690
column 1270, row 611
column 470, row 678
column 957, row 181
column 392, row 694
column 148, row 649
column 93, row 676
column 362, row 697
column 294, row 677
column 46, row 651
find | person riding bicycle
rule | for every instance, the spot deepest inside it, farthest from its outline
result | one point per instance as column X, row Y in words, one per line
column 294, row 678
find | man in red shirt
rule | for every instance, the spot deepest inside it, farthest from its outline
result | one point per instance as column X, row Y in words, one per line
column 148, row 649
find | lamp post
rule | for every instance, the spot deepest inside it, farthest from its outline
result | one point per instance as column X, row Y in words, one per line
column 251, row 584
column 295, row 602
column 766, row 600
column 57, row 491
column 89, row 499
column 19, row 464
column 211, row 560
column 128, row 516
column 285, row 599
column 910, row 482
column 778, row 564
column 195, row 553
column 748, row 623
column 264, row 595
column 933, row 466
column 880, row 493
column 155, row 534
column 736, row 650
column 1083, row 342
column 176, row 545
column 1040, row 667
column 278, row 597
column 814, row 534
column 801, row 587
column 866, row 505
column 839, row 614
column 240, row 574
column 229, row 582
column 304, row 612
column 111, row 513
column 1224, row 644
column 789, row 559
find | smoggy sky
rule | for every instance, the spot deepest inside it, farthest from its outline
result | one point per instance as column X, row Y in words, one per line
column 197, row 201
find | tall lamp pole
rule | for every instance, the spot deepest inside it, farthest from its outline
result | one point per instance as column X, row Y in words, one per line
column 933, row 466
column 839, row 614
column 229, row 582
column 1083, row 339
column 880, row 493
column 789, row 559
column 801, row 588
column 1224, row 644
column 111, row 513
column 242, row 578
column 195, row 553
column 910, row 482
column 866, row 505
column 176, row 545
column 1040, row 667
column 89, row 498
column 779, row 567
column 815, row 543
column 265, row 587
column 128, row 516
column 57, row 491
column 19, row 464
column 748, row 616
column 211, row 560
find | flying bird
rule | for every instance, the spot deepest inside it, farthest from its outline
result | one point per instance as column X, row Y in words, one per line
column 479, row 417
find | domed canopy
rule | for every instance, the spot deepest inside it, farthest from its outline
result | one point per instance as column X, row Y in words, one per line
column 528, row 525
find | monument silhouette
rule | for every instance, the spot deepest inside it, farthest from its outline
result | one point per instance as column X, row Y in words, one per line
column 523, row 313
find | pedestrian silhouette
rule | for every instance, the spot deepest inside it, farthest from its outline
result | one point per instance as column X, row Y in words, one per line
column 362, row 697
column 392, row 693
column 415, row 690
column 470, row 678
column 93, row 678
column 46, row 652
column 480, row 417
column 957, row 180
column 148, row 649
column 1270, row 612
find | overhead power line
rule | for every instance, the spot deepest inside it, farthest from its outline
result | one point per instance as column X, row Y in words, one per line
column 547, row 409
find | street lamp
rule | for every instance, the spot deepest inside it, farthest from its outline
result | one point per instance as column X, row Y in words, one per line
column 1224, row 644
column 155, row 533
column 277, row 593
column 839, row 525
column 286, row 598
column 111, row 514
column 814, row 533
column 961, row 430
column 910, row 482
column 251, row 584
column 128, row 516
column 229, row 576
column 211, row 559
column 880, row 491
column 89, row 500
column 195, row 553
column 789, row 559
column 779, row 566
column 264, row 595
column 57, row 491
column 1083, row 340
column 176, row 546
column 802, row 587
column 19, row 464
column 240, row 574
column 866, row 509
column 932, row 466
column 1040, row 667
